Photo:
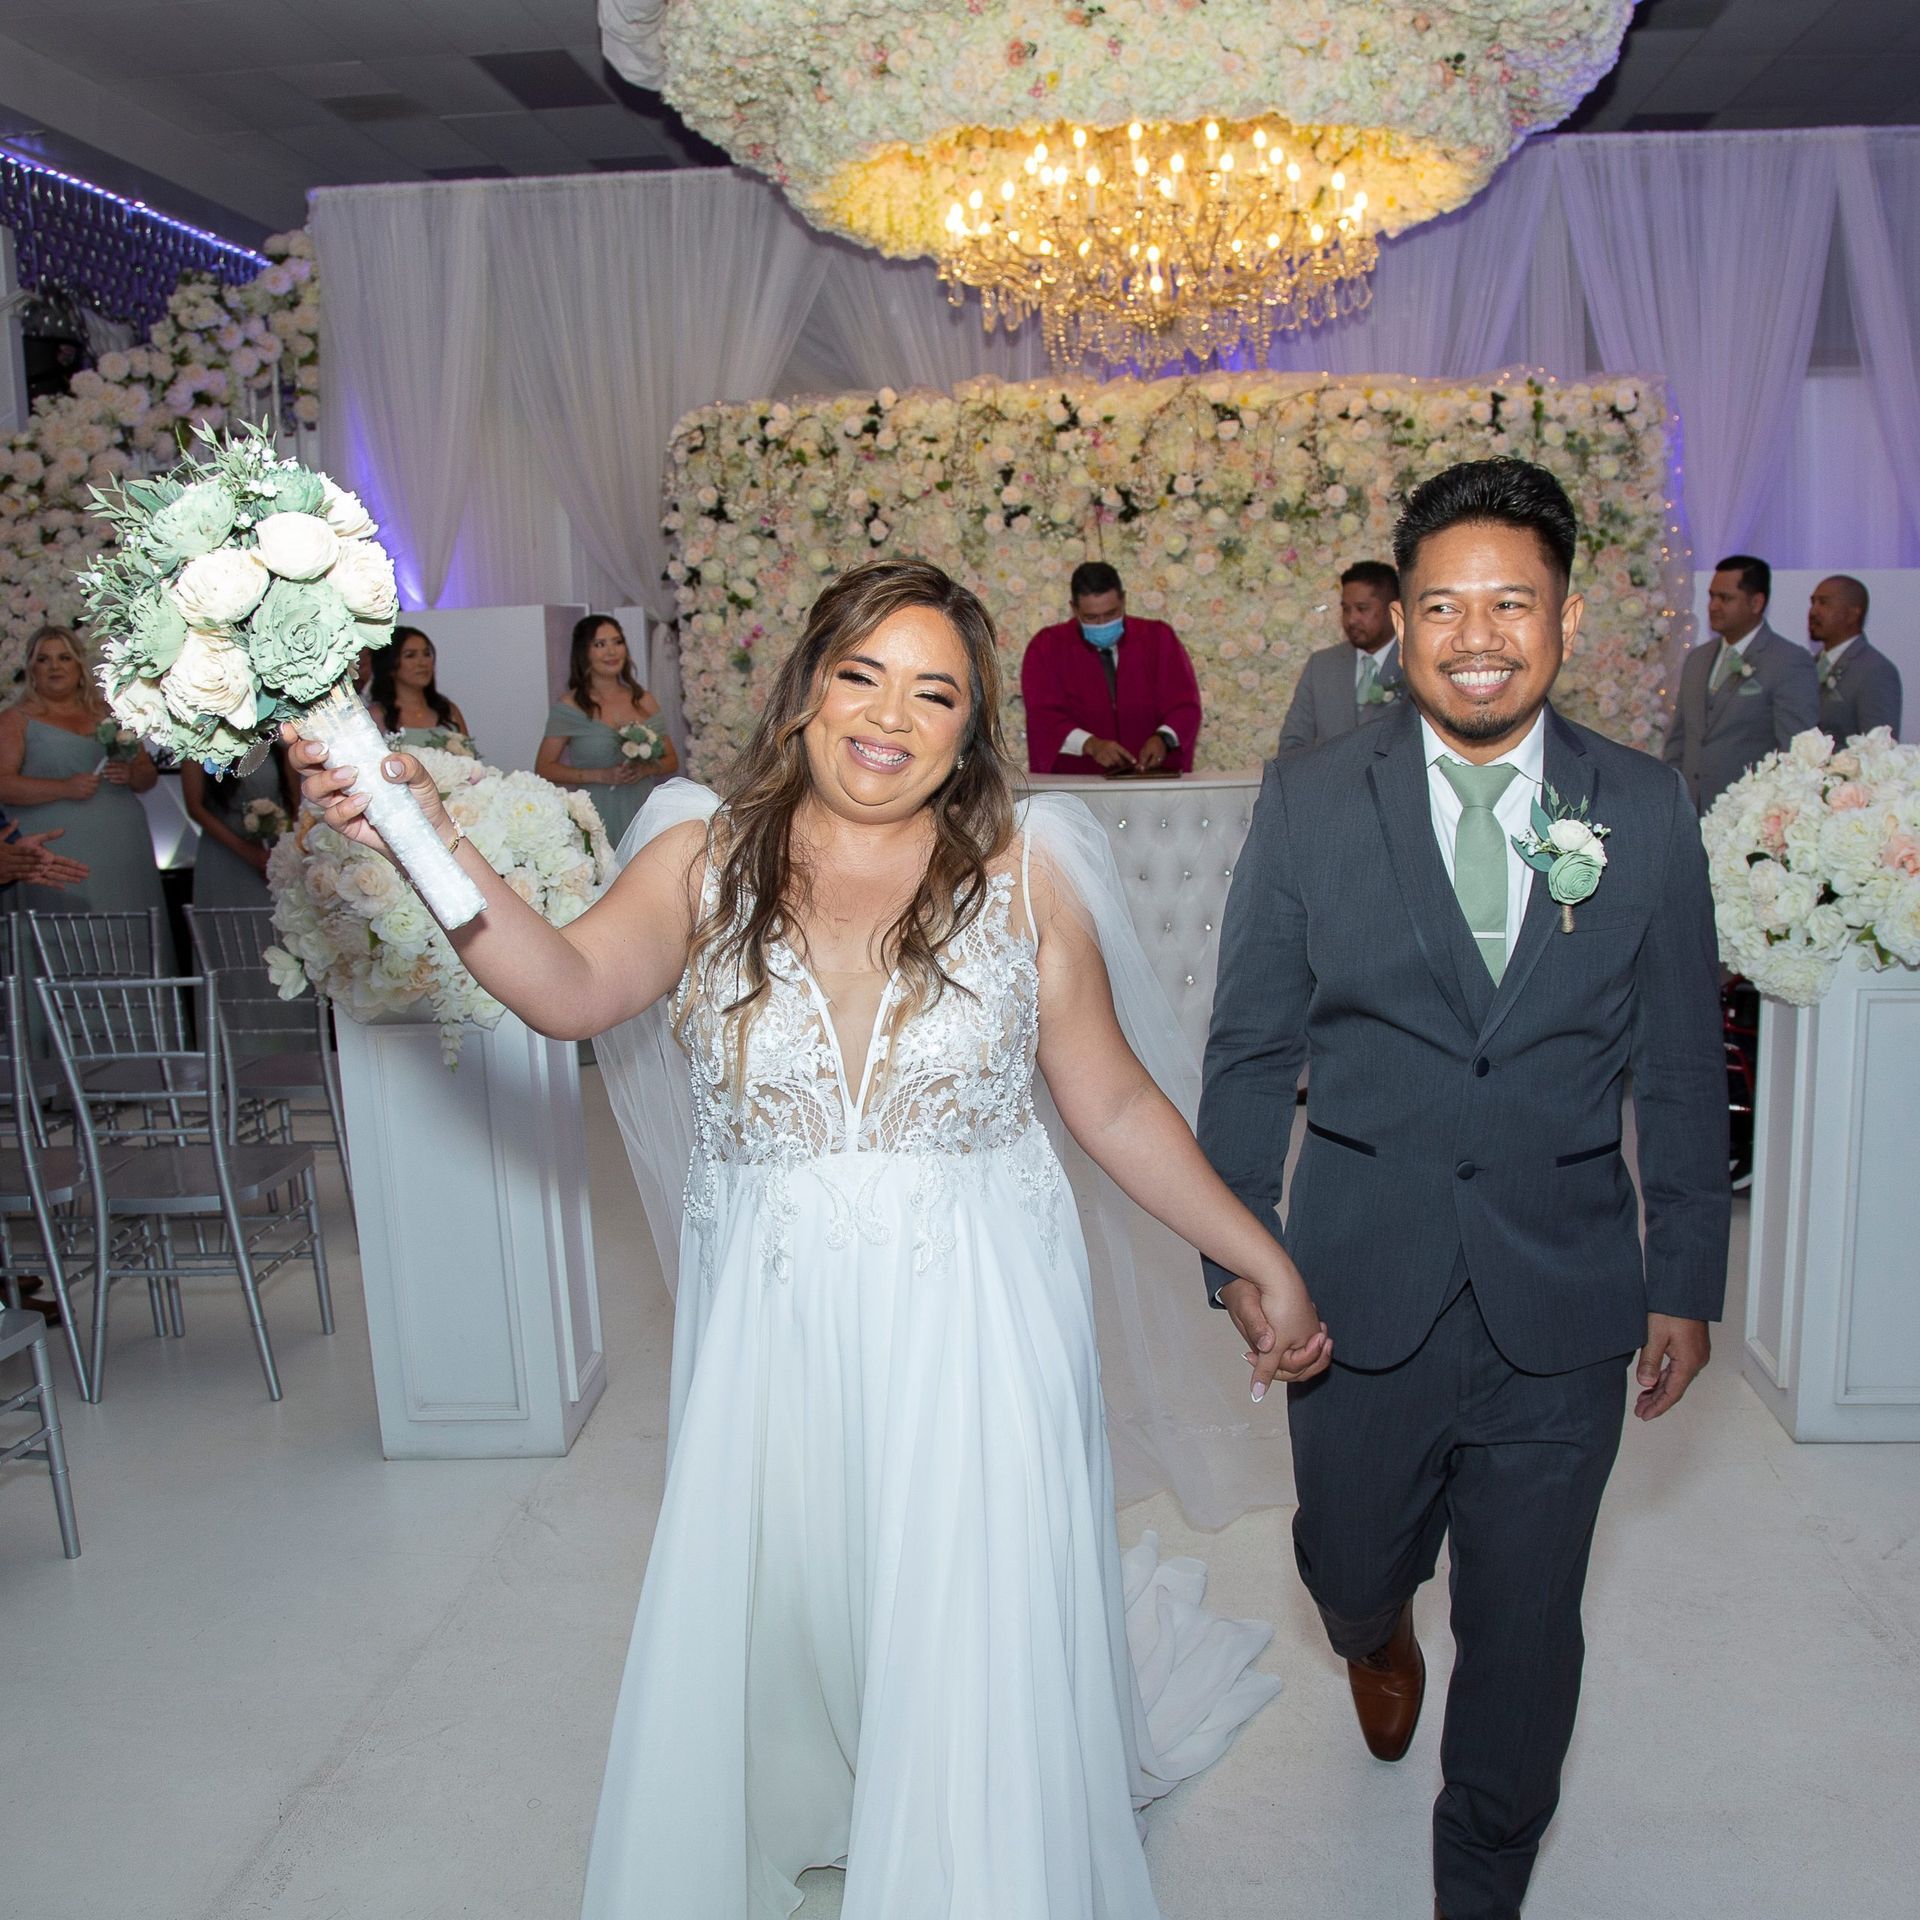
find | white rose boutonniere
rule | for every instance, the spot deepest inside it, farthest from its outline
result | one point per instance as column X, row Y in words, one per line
column 1567, row 847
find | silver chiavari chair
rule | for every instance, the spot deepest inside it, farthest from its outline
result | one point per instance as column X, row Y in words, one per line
column 248, row 1208
column 23, row 1331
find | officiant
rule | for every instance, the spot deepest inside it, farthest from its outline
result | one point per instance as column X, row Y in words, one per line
column 1106, row 693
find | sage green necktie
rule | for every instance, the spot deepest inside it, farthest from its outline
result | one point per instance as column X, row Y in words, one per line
column 1722, row 666
column 1369, row 680
column 1480, row 856
column 1823, row 668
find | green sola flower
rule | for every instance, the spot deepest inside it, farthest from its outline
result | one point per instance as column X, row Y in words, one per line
column 194, row 522
column 155, row 631
column 294, row 490
column 301, row 638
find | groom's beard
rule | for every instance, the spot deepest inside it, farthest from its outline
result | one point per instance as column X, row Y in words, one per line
column 1476, row 720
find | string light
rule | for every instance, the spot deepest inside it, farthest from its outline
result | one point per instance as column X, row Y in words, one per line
column 197, row 234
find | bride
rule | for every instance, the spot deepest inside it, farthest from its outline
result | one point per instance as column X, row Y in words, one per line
column 884, row 1622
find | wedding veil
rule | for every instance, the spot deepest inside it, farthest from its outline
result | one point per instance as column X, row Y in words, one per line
column 1175, row 1386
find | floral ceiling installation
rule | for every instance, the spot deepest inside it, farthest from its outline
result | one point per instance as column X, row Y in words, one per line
column 1230, row 504
column 242, row 352
column 880, row 117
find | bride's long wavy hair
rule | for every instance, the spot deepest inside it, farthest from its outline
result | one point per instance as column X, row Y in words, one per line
column 762, row 887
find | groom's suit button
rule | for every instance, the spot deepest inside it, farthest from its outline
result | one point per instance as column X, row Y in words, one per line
column 1465, row 1170
column 1482, row 1067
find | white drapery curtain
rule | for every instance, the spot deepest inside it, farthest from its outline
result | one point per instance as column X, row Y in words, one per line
column 1703, row 260
column 506, row 360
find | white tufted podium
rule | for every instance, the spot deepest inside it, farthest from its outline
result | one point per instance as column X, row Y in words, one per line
column 1176, row 842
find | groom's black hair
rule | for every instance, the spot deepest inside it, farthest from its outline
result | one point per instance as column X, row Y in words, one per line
column 1508, row 492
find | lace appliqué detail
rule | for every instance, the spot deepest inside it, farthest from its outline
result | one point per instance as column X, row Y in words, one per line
column 949, row 1084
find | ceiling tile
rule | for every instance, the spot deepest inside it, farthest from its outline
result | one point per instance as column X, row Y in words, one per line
column 426, row 144
column 448, row 83
column 591, row 130
column 1760, row 26
column 259, row 99
column 374, row 28
column 331, row 79
column 183, row 101
column 1704, row 82
column 494, row 26
column 547, row 77
column 519, row 141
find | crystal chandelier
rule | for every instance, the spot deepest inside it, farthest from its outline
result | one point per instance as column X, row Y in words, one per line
column 1140, row 244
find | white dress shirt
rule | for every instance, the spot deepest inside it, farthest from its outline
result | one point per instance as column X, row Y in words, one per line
column 1833, row 653
column 1514, row 810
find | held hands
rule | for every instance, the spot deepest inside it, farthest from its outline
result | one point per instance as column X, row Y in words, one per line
column 1111, row 754
column 1153, row 752
column 329, row 790
column 1675, row 1351
column 118, row 772
column 80, row 786
column 1286, row 1339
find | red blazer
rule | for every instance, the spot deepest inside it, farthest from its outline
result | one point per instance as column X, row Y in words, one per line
column 1064, row 685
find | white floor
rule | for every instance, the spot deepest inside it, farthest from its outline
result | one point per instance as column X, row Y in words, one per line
column 289, row 1678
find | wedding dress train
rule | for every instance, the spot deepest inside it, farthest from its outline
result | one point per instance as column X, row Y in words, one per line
column 886, row 1622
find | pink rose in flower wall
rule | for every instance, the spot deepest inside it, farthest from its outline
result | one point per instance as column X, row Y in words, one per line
column 1902, row 855
column 1849, row 795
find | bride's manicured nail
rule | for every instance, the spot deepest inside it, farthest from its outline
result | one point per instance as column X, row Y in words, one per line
column 395, row 769
column 1259, row 1391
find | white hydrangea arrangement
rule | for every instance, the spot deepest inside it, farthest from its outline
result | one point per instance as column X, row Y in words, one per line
column 1815, row 855
column 350, row 925
column 238, row 594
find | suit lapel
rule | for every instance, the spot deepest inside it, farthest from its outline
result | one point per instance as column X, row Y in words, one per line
column 1570, row 772
column 1398, row 779
column 1348, row 694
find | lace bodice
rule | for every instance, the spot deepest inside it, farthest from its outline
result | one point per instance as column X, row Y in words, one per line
column 954, row 1078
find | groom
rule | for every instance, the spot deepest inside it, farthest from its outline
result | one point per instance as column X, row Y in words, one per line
column 1461, row 1209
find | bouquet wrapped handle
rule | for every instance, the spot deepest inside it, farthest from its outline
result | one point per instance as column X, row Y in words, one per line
column 342, row 725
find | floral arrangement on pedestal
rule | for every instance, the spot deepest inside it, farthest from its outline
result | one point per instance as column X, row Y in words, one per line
column 1815, row 855
column 1229, row 502
column 351, row 926
column 876, row 116
column 221, row 353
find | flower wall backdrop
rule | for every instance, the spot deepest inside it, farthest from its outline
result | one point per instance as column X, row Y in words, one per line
column 249, row 351
column 1229, row 502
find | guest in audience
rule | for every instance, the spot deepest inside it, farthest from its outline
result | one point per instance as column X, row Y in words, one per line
column 230, row 864
column 405, row 698
column 604, row 711
column 1106, row 693
column 1859, row 685
column 56, row 776
column 1346, row 686
column 1743, row 694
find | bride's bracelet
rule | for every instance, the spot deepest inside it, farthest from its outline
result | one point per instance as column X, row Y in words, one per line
column 459, row 834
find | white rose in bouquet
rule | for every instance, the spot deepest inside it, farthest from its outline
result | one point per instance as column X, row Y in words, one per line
column 297, row 546
column 211, row 677
column 220, row 588
column 362, row 575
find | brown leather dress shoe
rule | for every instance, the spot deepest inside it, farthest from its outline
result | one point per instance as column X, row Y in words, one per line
column 1388, row 1688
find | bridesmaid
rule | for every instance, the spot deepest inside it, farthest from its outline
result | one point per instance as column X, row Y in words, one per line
column 230, row 867
column 51, row 775
column 582, row 747
column 405, row 700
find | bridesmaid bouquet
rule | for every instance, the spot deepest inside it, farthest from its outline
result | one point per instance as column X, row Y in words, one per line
column 450, row 740
column 640, row 742
column 263, row 820
column 117, row 742
column 237, row 595
column 349, row 927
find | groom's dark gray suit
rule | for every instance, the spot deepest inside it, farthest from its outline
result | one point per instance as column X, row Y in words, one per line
column 1464, row 1219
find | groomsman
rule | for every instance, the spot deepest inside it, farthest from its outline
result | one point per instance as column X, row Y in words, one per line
column 1859, row 685
column 1744, row 694
column 1352, row 684
column 1461, row 1210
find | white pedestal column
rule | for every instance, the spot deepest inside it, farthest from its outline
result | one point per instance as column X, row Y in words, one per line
column 1833, row 1268
column 476, row 1242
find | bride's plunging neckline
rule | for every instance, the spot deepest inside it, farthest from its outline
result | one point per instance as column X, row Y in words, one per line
column 854, row 1101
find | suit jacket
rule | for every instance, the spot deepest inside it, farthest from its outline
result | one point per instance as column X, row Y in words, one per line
column 1863, row 693
column 1325, row 704
column 1063, row 684
column 1714, row 738
column 1447, row 1116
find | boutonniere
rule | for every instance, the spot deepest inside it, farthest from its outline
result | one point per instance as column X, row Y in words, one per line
column 1566, row 846
column 1383, row 693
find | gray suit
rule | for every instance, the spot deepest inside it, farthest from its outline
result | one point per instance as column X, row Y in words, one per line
column 1862, row 693
column 1714, row 738
column 1324, row 702
column 1465, row 1221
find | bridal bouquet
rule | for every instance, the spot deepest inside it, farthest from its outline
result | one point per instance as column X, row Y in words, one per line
column 238, row 593
column 1815, row 854
column 350, row 926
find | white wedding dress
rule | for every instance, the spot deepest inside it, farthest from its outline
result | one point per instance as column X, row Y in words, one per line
column 886, row 1621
